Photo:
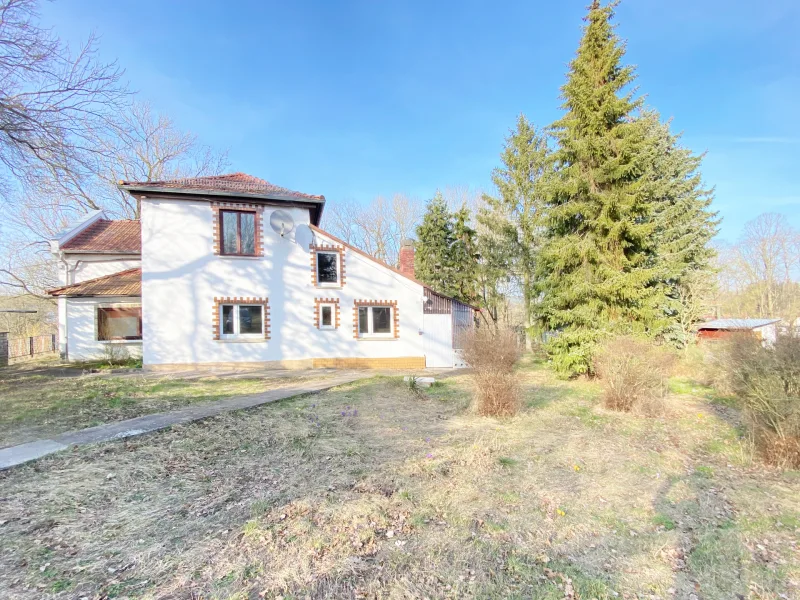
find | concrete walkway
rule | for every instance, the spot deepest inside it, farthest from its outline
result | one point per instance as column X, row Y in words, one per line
column 16, row 455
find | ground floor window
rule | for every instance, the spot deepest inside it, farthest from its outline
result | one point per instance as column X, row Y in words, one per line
column 242, row 320
column 326, row 316
column 119, row 323
column 375, row 321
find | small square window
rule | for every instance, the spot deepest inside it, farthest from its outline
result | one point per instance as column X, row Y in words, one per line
column 327, row 315
column 328, row 268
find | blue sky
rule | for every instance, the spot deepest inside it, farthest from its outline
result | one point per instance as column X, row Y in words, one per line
column 354, row 99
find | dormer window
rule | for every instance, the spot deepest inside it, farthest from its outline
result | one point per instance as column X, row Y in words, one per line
column 238, row 232
column 328, row 268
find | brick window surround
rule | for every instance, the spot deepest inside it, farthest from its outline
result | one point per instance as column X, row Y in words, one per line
column 327, row 248
column 218, row 302
column 216, row 223
column 317, row 310
column 395, row 315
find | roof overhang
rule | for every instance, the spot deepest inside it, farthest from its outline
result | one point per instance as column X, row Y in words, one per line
column 315, row 205
column 65, row 235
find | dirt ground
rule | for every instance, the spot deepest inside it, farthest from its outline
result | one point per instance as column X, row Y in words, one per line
column 373, row 490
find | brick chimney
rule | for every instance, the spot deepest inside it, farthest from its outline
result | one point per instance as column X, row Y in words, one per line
column 407, row 258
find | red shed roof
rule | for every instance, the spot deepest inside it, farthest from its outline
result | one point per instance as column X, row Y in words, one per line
column 103, row 236
column 124, row 283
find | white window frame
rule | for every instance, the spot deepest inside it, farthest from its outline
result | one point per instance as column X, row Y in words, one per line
column 236, row 335
column 322, row 306
column 370, row 324
column 338, row 282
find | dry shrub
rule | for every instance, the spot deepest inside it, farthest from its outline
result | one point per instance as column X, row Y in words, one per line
column 633, row 373
column 766, row 380
column 492, row 354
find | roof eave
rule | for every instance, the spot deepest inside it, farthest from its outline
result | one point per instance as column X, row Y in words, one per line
column 208, row 192
column 112, row 252
column 56, row 295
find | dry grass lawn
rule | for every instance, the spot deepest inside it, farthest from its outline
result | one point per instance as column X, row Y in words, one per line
column 36, row 406
column 373, row 491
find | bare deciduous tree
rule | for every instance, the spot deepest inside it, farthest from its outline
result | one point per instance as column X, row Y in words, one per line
column 377, row 228
column 759, row 275
column 50, row 99
column 141, row 146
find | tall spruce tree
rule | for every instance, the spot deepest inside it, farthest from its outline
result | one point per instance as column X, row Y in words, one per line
column 432, row 261
column 513, row 220
column 594, row 272
column 684, row 226
column 446, row 254
column 464, row 257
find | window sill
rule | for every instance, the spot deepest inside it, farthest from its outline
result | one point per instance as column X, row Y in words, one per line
column 119, row 341
column 242, row 341
column 377, row 339
column 237, row 257
column 329, row 286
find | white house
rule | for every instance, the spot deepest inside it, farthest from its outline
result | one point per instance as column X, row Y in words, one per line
column 231, row 269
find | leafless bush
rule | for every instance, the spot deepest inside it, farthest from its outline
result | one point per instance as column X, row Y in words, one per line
column 633, row 374
column 766, row 380
column 492, row 350
column 493, row 354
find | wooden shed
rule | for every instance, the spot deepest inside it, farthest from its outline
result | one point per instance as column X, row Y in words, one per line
column 764, row 329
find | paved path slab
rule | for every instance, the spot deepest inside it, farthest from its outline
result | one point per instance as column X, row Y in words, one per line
column 16, row 455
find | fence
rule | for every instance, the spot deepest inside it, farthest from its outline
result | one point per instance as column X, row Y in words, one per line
column 31, row 346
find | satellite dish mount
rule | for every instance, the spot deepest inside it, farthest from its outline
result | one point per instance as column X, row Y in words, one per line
column 281, row 222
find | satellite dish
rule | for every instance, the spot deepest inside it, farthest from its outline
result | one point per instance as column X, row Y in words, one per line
column 281, row 222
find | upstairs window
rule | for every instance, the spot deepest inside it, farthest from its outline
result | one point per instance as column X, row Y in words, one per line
column 375, row 321
column 328, row 268
column 238, row 232
column 242, row 321
column 119, row 323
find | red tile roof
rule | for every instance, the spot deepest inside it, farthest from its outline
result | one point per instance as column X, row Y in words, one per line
column 124, row 283
column 235, row 183
column 123, row 237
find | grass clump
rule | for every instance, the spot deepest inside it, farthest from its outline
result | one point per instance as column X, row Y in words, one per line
column 766, row 381
column 493, row 354
column 633, row 374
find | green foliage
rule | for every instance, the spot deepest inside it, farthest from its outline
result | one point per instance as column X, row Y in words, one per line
column 627, row 219
column 510, row 224
column 594, row 273
column 684, row 227
column 446, row 253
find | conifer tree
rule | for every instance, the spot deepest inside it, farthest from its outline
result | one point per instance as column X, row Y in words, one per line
column 594, row 271
column 432, row 260
column 446, row 255
column 464, row 257
column 513, row 220
column 684, row 226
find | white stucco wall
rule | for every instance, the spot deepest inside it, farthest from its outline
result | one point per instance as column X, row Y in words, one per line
column 82, row 267
column 80, row 329
column 181, row 277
